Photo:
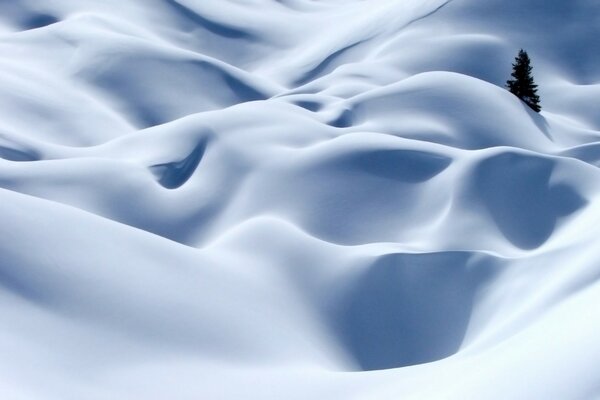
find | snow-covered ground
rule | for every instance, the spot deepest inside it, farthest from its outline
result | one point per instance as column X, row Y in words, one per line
column 298, row 199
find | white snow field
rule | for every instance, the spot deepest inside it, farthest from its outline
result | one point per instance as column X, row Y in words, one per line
column 298, row 199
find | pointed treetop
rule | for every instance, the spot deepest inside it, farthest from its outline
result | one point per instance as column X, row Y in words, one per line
column 522, row 84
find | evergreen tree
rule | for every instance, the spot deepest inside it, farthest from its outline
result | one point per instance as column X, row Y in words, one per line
column 522, row 85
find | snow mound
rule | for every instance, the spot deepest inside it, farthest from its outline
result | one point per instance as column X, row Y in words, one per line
column 293, row 199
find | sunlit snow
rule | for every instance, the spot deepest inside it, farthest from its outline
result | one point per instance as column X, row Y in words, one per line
column 298, row 199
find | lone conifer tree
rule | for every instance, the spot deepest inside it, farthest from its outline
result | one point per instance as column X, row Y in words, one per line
column 522, row 85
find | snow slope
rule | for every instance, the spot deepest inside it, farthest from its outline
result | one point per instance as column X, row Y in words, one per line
column 298, row 199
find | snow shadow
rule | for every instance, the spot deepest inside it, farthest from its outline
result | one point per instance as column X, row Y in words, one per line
column 19, row 284
column 344, row 120
column 410, row 166
column 327, row 65
column 38, row 21
column 309, row 105
column 518, row 194
column 10, row 154
column 211, row 26
column 174, row 174
column 410, row 309
column 242, row 90
column 183, row 88
column 539, row 121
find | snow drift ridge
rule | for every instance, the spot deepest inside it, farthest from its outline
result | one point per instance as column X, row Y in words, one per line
column 201, row 195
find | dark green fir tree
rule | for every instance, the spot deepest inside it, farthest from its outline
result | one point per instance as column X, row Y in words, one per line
column 522, row 84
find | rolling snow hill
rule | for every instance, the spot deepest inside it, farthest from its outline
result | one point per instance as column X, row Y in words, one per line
column 298, row 199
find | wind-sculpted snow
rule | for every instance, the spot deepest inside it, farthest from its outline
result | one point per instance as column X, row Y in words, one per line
column 298, row 199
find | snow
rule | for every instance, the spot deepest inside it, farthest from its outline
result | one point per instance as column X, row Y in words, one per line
column 295, row 199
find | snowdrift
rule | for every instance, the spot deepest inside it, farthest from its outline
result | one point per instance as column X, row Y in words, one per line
column 298, row 199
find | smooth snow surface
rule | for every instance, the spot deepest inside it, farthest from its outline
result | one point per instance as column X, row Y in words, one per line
column 298, row 199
